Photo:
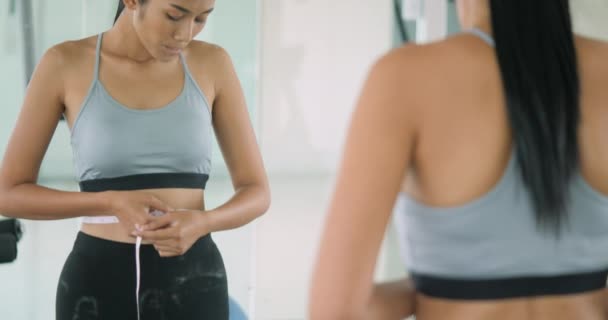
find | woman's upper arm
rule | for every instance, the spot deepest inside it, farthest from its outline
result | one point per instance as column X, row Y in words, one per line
column 233, row 126
column 41, row 110
column 377, row 154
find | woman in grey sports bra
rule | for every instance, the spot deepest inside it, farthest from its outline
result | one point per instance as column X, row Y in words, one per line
column 491, row 144
column 142, row 101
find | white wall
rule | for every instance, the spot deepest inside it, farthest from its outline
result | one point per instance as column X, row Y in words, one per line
column 590, row 17
column 315, row 55
column 11, row 79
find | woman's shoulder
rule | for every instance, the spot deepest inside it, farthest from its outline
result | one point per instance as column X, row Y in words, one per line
column 70, row 54
column 439, row 59
column 423, row 79
column 201, row 53
column 433, row 66
column 448, row 50
column 588, row 41
column 592, row 51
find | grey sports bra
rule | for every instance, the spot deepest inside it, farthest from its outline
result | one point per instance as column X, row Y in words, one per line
column 490, row 248
column 119, row 148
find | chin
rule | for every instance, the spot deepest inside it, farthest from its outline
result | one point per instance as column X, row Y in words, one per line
column 164, row 57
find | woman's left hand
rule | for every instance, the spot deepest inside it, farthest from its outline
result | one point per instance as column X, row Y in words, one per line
column 173, row 233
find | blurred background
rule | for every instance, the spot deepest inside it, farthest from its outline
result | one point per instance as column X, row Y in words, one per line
column 301, row 64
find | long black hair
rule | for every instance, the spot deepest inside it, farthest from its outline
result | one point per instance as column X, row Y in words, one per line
column 538, row 63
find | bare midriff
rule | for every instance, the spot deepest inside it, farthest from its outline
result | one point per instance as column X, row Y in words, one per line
column 179, row 199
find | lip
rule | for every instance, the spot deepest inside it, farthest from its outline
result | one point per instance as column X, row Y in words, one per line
column 173, row 50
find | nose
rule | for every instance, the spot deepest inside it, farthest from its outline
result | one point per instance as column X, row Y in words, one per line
column 184, row 31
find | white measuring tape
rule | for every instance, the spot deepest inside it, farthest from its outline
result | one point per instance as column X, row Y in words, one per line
column 137, row 245
column 112, row 219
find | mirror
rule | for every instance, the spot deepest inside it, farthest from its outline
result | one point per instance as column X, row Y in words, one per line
column 301, row 65
column 429, row 20
column 27, row 29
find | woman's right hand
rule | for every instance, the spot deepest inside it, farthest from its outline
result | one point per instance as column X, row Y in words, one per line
column 132, row 208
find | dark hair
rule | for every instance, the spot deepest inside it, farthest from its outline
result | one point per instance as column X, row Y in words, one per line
column 121, row 7
column 538, row 63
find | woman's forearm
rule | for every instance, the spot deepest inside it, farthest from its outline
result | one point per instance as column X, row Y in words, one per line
column 35, row 202
column 392, row 301
column 247, row 204
column 388, row 301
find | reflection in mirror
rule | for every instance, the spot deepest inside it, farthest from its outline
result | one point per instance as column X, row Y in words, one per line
column 589, row 19
column 112, row 135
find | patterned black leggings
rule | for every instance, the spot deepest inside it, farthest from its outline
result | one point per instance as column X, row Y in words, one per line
column 98, row 282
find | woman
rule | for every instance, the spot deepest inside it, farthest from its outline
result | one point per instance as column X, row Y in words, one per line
column 492, row 142
column 142, row 101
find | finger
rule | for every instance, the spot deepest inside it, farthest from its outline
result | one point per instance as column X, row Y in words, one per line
column 155, row 203
column 160, row 234
column 167, row 249
column 142, row 218
column 167, row 243
column 168, row 254
column 139, row 220
column 132, row 226
column 159, row 222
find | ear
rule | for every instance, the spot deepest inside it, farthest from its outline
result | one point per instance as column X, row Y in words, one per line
column 131, row 4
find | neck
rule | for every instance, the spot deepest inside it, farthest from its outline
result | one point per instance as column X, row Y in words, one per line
column 476, row 14
column 122, row 39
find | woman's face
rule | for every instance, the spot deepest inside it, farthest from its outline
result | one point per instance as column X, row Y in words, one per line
column 166, row 27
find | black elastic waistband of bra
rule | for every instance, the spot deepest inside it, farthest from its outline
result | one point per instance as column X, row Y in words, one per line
column 147, row 181
column 506, row 288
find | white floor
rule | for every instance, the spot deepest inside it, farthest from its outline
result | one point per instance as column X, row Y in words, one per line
column 287, row 241
column 268, row 263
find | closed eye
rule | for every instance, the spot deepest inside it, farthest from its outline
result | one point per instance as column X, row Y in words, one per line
column 172, row 18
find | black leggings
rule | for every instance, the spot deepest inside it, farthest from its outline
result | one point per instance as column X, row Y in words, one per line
column 98, row 282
